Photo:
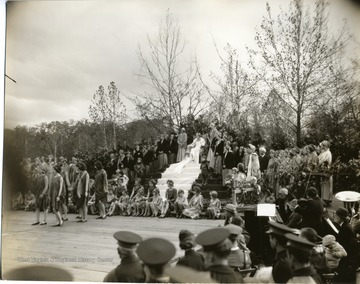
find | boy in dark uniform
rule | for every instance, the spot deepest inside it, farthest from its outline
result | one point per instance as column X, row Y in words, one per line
column 282, row 270
column 217, row 248
column 299, row 250
column 130, row 269
column 155, row 254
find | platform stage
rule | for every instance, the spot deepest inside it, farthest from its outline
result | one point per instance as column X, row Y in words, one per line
column 86, row 250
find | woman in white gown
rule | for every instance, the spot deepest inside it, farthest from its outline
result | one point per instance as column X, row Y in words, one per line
column 195, row 148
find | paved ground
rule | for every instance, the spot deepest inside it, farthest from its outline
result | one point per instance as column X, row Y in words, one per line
column 87, row 250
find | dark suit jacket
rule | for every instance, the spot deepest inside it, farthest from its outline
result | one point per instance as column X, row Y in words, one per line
column 130, row 270
column 229, row 161
column 312, row 214
column 193, row 260
column 173, row 146
column 163, row 146
column 264, row 161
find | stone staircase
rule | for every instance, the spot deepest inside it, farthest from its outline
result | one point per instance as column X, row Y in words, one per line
column 182, row 180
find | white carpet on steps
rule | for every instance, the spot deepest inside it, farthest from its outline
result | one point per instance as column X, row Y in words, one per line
column 182, row 180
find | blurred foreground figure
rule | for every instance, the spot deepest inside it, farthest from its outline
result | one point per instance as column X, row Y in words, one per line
column 39, row 273
column 217, row 248
column 130, row 269
column 156, row 254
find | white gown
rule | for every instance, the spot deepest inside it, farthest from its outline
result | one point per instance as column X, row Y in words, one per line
column 195, row 150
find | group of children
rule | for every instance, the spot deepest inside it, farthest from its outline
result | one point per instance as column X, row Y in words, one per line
column 151, row 204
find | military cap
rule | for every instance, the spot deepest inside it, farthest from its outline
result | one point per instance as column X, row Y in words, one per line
column 39, row 273
column 299, row 243
column 183, row 274
column 156, row 251
column 230, row 208
column 127, row 239
column 278, row 229
column 233, row 229
column 213, row 238
column 237, row 220
column 342, row 212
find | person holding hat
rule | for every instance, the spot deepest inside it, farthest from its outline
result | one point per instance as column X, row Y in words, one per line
column 130, row 268
column 192, row 258
column 41, row 191
column 239, row 257
column 346, row 238
column 325, row 159
column 156, row 253
column 57, row 194
column 282, row 270
column 170, row 198
column 299, row 251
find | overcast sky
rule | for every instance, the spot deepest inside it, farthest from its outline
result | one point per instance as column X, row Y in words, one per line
column 59, row 52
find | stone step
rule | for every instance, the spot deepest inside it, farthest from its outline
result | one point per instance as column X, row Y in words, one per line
column 176, row 181
column 184, row 175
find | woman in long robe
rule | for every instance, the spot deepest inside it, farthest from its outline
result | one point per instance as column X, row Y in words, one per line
column 211, row 153
column 182, row 144
column 325, row 159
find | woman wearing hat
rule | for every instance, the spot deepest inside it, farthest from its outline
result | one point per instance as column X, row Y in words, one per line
column 57, row 194
column 195, row 204
column 325, row 159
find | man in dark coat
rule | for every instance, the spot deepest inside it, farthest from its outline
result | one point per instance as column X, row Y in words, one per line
column 217, row 248
column 346, row 237
column 173, row 148
column 130, row 269
column 191, row 259
column 282, row 270
column 311, row 210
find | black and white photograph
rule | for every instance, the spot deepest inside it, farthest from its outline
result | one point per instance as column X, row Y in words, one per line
column 178, row 141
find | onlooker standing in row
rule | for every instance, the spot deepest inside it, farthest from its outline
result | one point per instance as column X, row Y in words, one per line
column 182, row 145
column 161, row 151
column 173, row 149
column 263, row 159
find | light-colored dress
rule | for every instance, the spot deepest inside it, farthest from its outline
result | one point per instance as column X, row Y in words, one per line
column 327, row 182
column 195, row 207
column 182, row 142
column 215, row 207
column 195, row 150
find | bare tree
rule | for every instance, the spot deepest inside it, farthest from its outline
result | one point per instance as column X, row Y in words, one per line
column 296, row 50
column 108, row 107
column 98, row 111
column 176, row 90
